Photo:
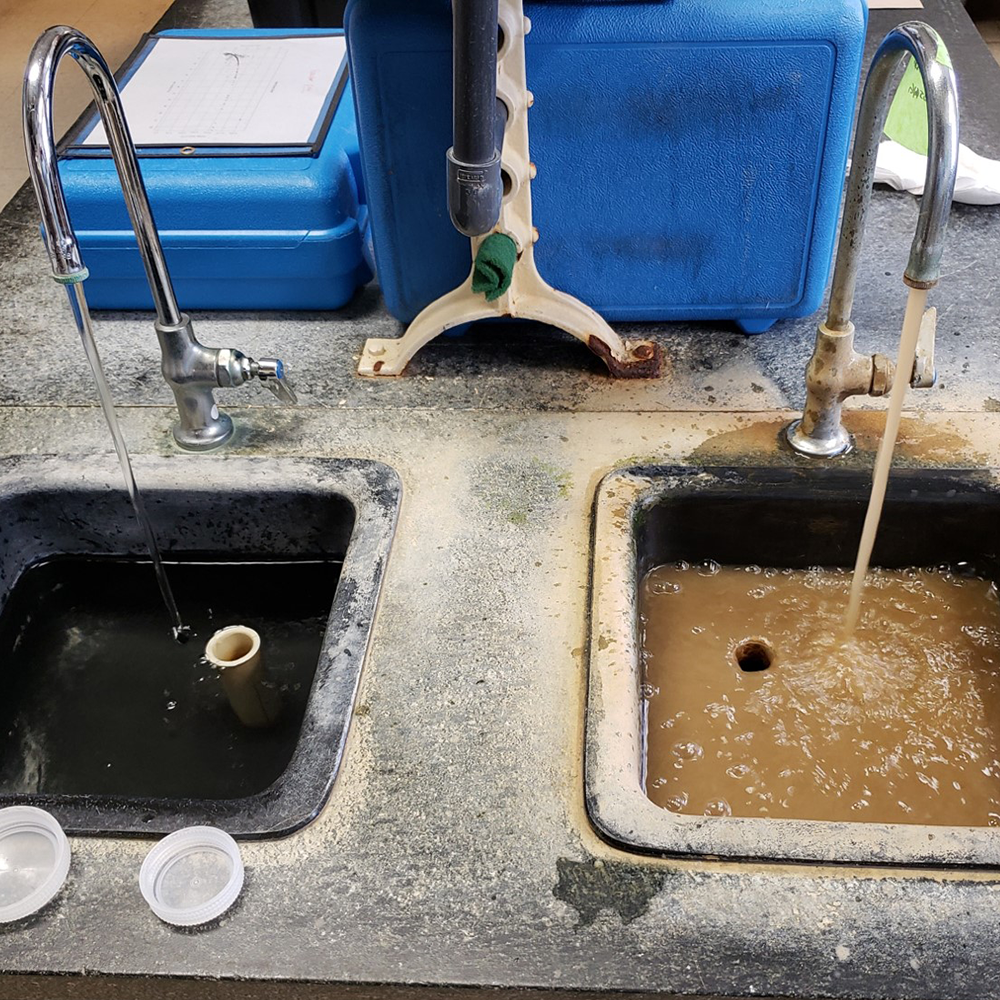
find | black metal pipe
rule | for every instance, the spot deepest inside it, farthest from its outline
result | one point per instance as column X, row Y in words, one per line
column 475, row 189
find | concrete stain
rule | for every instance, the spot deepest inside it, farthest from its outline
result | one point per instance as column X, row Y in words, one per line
column 592, row 886
column 519, row 491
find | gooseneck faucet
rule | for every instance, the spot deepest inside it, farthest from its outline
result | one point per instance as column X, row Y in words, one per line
column 191, row 370
column 836, row 371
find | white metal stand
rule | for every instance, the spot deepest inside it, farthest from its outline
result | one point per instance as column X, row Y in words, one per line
column 529, row 296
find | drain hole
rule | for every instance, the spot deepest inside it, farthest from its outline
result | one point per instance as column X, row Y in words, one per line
column 508, row 183
column 754, row 655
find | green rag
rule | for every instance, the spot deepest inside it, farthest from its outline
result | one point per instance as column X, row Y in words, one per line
column 494, row 266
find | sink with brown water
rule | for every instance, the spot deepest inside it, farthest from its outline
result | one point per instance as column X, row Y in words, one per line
column 726, row 715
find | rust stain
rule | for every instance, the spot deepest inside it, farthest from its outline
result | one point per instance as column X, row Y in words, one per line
column 920, row 443
column 759, row 440
column 646, row 359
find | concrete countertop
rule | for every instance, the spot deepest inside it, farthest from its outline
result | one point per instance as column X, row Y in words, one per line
column 455, row 850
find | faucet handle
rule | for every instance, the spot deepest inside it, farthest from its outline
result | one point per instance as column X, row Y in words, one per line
column 924, row 374
column 271, row 371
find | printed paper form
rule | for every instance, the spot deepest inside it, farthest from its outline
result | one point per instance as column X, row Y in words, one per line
column 229, row 91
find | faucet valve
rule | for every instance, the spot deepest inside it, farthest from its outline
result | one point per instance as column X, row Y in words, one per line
column 271, row 371
column 883, row 371
column 924, row 373
column 234, row 368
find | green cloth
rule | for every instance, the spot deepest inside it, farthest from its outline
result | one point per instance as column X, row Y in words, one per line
column 494, row 266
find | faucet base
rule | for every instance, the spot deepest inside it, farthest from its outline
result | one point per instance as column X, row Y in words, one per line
column 839, row 442
column 212, row 435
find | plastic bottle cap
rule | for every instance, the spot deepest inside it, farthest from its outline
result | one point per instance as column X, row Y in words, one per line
column 34, row 860
column 192, row 876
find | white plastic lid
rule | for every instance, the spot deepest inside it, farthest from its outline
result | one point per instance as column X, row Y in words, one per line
column 34, row 861
column 192, row 876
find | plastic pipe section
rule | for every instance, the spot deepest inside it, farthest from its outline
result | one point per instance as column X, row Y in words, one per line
column 235, row 652
column 475, row 187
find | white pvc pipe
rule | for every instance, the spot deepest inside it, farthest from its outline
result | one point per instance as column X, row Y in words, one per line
column 236, row 653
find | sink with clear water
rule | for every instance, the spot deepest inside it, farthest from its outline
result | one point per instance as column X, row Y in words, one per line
column 114, row 726
column 787, row 520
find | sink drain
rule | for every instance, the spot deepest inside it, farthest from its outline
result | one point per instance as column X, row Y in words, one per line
column 754, row 655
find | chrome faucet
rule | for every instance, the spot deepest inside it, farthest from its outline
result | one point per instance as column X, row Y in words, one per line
column 836, row 371
column 191, row 370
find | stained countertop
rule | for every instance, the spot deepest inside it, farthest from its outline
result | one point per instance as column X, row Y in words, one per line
column 455, row 850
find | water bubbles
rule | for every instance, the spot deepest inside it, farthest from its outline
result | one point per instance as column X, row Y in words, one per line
column 648, row 690
column 171, row 705
column 688, row 751
column 722, row 710
column 664, row 587
column 982, row 635
column 882, row 726
column 926, row 779
column 718, row 807
column 681, row 566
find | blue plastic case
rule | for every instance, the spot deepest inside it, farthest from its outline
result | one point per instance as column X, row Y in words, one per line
column 243, row 231
column 690, row 153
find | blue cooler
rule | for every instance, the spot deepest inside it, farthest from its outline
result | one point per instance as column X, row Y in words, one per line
column 252, row 228
column 690, row 153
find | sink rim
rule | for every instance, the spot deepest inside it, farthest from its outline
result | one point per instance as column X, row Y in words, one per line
column 614, row 743
column 374, row 491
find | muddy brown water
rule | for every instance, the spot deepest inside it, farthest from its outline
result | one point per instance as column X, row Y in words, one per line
column 899, row 725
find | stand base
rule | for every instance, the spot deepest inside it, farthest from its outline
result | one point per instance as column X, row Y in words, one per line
column 625, row 359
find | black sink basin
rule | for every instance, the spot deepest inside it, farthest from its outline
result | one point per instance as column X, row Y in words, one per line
column 113, row 726
column 788, row 517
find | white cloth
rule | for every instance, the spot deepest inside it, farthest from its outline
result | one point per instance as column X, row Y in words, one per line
column 901, row 168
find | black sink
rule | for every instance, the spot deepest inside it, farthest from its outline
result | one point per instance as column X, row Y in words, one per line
column 783, row 517
column 113, row 726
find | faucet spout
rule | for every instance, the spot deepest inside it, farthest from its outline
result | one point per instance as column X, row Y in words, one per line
column 836, row 371
column 39, row 143
column 190, row 369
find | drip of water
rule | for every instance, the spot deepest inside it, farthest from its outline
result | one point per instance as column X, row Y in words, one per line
column 81, row 313
column 915, row 305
